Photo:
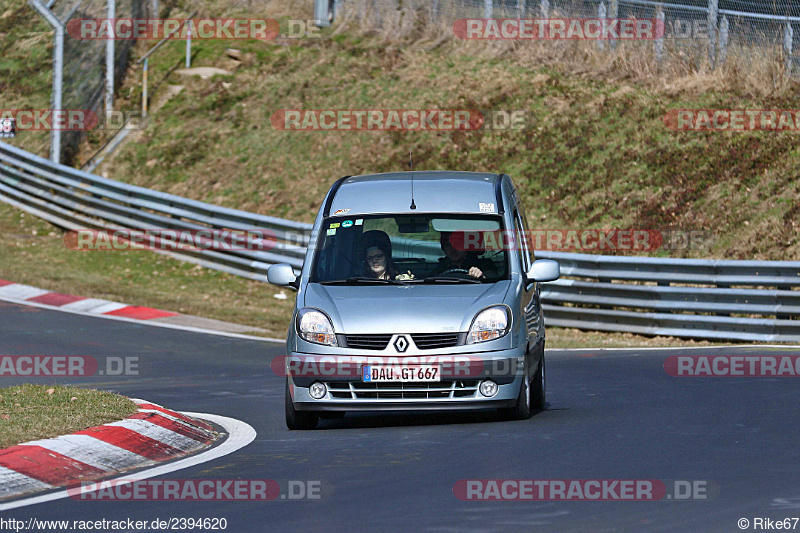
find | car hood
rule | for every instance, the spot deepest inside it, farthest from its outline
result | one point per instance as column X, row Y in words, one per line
column 412, row 308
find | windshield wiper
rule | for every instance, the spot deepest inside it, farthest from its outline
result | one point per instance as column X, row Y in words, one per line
column 360, row 279
column 447, row 279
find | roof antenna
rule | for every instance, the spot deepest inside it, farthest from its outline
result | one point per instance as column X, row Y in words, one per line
column 411, row 166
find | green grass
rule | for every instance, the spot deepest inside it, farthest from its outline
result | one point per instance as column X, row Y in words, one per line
column 30, row 412
column 595, row 152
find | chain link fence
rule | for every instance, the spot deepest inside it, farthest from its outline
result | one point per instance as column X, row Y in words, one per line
column 84, row 63
column 694, row 30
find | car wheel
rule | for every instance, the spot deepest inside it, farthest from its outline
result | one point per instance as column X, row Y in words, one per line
column 538, row 394
column 298, row 419
column 522, row 409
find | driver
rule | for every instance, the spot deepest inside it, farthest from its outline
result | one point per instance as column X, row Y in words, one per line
column 456, row 257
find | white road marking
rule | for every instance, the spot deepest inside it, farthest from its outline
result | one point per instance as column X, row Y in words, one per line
column 65, row 309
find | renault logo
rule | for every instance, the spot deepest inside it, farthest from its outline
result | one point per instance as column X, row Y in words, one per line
column 401, row 344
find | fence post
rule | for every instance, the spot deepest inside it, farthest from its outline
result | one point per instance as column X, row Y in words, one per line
column 658, row 44
column 487, row 9
column 521, row 8
column 614, row 5
column 58, row 74
column 112, row 13
column 722, row 53
column 602, row 15
column 712, row 32
column 189, row 44
column 544, row 5
column 144, row 89
column 788, row 33
column 155, row 9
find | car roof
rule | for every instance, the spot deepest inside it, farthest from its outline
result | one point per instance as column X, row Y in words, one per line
column 435, row 191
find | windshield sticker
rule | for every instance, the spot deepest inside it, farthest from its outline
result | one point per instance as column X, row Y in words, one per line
column 334, row 225
column 341, row 211
column 486, row 208
column 332, row 231
column 347, row 223
column 359, row 221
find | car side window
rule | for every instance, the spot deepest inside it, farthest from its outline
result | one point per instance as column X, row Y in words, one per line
column 526, row 229
column 521, row 244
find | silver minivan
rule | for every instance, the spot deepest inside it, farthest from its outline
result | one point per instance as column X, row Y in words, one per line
column 418, row 292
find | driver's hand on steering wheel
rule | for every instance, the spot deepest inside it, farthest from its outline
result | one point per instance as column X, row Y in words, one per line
column 475, row 272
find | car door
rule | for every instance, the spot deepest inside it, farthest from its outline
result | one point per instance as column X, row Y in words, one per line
column 529, row 298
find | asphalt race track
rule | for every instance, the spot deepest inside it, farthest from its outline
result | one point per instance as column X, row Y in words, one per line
column 612, row 415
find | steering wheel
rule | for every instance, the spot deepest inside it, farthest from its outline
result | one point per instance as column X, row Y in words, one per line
column 455, row 271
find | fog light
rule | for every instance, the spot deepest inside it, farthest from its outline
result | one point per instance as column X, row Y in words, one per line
column 488, row 388
column 317, row 390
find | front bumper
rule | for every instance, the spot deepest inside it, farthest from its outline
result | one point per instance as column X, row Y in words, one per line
column 461, row 376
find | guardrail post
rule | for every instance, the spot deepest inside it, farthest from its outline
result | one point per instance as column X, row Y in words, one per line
column 788, row 33
column 487, row 9
column 602, row 15
column 658, row 44
column 614, row 5
column 713, row 11
column 321, row 13
column 722, row 52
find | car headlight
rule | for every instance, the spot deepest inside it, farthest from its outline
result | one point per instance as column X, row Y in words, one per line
column 489, row 324
column 315, row 326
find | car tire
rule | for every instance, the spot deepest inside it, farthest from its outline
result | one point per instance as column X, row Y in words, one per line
column 522, row 409
column 539, row 388
column 298, row 419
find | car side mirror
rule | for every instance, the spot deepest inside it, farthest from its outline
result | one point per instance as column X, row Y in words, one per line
column 544, row 270
column 282, row 275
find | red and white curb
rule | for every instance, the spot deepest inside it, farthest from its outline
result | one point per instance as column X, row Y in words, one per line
column 26, row 293
column 34, row 296
column 152, row 435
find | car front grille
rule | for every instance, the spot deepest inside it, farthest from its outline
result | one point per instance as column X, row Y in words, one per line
column 429, row 341
column 423, row 341
column 367, row 342
column 357, row 390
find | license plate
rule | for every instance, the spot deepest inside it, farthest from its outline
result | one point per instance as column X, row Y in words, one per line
column 400, row 373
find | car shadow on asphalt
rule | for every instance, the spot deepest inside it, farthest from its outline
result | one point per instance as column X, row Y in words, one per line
column 420, row 418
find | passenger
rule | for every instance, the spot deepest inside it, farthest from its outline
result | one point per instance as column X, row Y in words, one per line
column 457, row 258
column 378, row 257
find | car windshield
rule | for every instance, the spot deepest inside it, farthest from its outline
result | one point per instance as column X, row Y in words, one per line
column 390, row 249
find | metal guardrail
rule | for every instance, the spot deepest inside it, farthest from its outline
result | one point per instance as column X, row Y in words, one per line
column 74, row 199
column 696, row 298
